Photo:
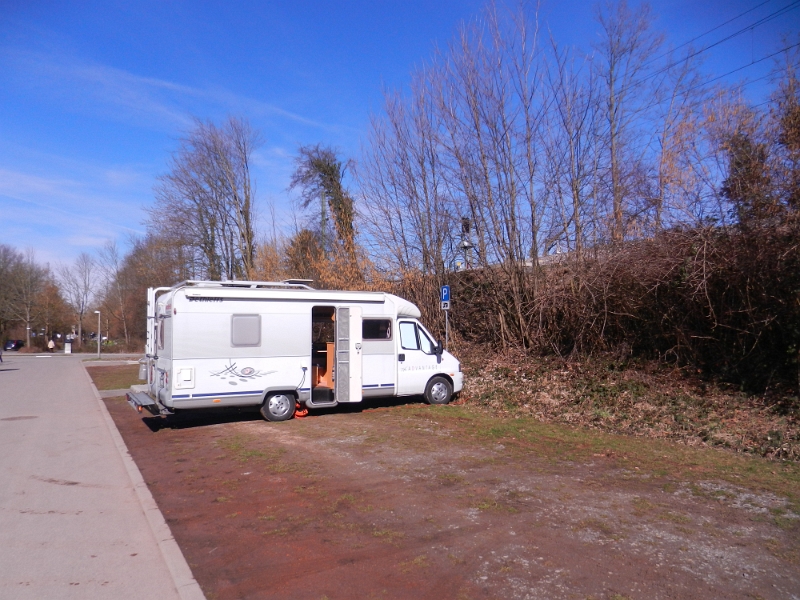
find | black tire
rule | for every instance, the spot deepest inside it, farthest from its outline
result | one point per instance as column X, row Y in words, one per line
column 438, row 391
column 278, row 406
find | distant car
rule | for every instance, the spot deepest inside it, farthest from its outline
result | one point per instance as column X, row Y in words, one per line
column 14, row 345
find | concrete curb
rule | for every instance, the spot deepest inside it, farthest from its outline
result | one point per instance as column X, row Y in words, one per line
column 182, row 577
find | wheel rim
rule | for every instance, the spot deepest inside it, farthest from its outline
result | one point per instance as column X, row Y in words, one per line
column 439, row 391
column 279, row 405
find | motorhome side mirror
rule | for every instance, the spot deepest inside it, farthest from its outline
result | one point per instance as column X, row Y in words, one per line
column 439, row 348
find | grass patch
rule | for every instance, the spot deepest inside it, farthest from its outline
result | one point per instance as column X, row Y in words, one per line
column 595, row 525
column 449, row 479
column 674, row 517
column 642, row 506
column 419, row 562
column 785, row 522
column 660, row 459
column 388, row 535
column 117, row 377
column 494, row 505
column 240, row 447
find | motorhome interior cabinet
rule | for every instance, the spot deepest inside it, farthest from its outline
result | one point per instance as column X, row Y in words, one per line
column 282, row 346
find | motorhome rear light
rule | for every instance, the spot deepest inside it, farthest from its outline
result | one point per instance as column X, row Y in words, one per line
column 139, row 408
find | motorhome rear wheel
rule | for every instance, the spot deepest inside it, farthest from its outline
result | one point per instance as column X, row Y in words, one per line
column 438, row 391
column 278, row 407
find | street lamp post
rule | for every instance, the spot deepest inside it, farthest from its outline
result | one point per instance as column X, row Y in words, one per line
column 99, row 336
column 465, row 246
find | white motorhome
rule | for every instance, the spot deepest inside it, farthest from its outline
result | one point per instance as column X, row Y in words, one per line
column 278, row 345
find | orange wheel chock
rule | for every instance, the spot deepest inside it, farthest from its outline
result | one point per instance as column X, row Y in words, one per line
column 300, row 411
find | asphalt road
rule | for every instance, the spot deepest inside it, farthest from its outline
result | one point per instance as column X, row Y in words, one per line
column 76, row 520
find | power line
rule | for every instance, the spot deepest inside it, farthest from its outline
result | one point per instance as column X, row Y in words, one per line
column 755, row 62
column 757, row 23
column 695, row 104
column 713, row 29
column 692, row 105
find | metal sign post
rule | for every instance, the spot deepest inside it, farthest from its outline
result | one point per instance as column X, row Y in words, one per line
column 445, row 299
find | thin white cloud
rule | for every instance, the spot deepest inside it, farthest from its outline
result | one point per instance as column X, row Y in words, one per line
column 147, row 100
column 86, row 241
column 126, row 177
column 35, row 199
column 257, row 108
column 63, row 206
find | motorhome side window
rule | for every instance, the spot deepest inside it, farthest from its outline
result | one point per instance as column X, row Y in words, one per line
column 376, row 329
column 160, row 327
column 245, row 330
column 413, row 338
column 425, row 343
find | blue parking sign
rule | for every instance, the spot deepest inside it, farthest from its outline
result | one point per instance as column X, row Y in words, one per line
column 445, row 293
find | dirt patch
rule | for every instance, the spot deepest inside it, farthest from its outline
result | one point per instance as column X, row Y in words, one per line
column 421, row 502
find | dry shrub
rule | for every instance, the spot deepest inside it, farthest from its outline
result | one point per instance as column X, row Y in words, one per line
column 642, row 398
column 723, row 300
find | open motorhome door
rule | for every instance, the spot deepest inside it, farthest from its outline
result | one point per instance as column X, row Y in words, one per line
column 348, row 354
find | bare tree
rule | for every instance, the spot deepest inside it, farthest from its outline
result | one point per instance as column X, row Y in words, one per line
column 9, row 263
column 625, row 51
column 465, row 144
column 786, row 128
column 53, row 311
column 25, row 284
column 674, row 123
column 116, row 299
column 407, row 205
column 206, row 202
column 78, row 283
column 572, row 149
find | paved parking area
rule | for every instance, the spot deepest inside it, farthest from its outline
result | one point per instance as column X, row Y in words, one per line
column 76, row 519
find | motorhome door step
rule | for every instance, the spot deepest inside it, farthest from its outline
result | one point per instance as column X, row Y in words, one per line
column 322, row 393
column 321, row 396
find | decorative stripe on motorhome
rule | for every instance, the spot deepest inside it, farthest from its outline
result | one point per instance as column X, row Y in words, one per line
column 227, row 394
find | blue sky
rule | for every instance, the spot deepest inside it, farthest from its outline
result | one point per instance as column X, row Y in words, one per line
column 94, row 95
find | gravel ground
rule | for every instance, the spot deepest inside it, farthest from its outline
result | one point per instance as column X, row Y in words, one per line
column 401, row 501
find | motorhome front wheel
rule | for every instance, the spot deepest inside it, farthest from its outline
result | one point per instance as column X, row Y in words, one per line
column 278, row 407
column 438, row 391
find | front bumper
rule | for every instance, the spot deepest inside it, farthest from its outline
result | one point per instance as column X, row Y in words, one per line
column 458, row 382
